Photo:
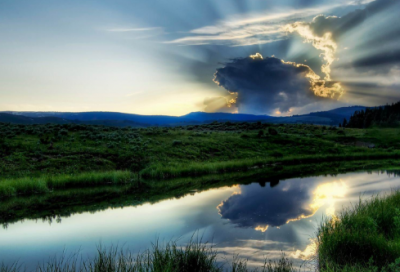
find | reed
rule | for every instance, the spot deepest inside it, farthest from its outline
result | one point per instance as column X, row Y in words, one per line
column 195, row 256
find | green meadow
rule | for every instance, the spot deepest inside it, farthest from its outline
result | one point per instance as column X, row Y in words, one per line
column 42, row 152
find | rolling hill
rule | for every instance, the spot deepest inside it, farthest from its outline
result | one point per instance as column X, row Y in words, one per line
column 331, row 117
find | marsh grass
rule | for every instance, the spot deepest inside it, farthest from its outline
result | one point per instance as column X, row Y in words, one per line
column 64, row 201
column 37, row 185
column 15, row 267
column 279, row 167
column 193, row 257
column 173, row 170
column 366, row 236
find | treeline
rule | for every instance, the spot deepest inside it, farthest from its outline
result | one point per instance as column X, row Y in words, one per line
column 385, row 116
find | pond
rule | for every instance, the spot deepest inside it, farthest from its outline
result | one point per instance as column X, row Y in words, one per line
column 256, row 220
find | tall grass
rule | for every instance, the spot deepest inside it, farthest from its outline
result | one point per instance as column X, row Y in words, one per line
column 366, row 236
column 172, row 170
column 48, row 183
column 29, row 186
column 194, row 257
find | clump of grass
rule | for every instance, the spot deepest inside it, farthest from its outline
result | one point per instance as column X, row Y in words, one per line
column 12, row 268
column 44, row 184
column 366, row 236
column 90, row 178
column 194, row 257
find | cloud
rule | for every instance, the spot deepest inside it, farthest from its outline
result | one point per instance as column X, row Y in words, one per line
column 352, row 39
column 325, row 43
column 254, row 29
column 261, row 208
column 324, row 32
column 246, row 31
column 266, row 84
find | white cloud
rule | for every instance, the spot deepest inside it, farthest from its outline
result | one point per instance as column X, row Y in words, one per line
column 255, row 29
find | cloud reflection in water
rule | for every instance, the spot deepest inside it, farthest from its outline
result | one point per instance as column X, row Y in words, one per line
column 261, row 208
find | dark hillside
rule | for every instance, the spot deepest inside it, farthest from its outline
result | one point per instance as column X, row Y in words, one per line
column 19, row 119
column 385, row 116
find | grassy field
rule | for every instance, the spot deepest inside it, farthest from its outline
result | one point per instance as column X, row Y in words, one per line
column 363, row 238
column 161, row 153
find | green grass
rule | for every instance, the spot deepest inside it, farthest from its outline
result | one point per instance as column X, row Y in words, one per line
column 173, row 170
column 193, row 257
column 39, row 185
column 26, row 151
column 65, row 201
column 365, row 237
column 39, row 159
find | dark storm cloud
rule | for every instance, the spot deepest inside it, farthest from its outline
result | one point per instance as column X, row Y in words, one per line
column 266, row 84
column 261, row 207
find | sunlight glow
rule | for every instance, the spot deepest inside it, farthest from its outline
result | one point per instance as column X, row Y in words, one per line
column 308, row 252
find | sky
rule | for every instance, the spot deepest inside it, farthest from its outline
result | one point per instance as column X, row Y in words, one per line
column 175, row 57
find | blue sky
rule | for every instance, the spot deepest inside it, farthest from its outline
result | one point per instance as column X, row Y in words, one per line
column 160, row 57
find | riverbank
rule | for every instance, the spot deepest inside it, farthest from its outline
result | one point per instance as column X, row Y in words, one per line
column 362, row 238
column 365, row 237
column 195, row 256
column 121, row 189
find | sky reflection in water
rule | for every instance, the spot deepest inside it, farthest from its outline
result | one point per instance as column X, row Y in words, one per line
column 256, row 220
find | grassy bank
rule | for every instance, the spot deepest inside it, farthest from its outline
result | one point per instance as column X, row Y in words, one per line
column 193, row 257
column 62, row 202
column 173, row 170
column 363, row 238
column 48, row 183
column 285, row 167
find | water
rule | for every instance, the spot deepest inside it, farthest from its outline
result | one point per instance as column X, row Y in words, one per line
column 256, row 221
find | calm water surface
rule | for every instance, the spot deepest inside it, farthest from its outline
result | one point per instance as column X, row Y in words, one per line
column 257, row 220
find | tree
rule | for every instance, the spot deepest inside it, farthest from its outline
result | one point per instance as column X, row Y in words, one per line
column 344, row 122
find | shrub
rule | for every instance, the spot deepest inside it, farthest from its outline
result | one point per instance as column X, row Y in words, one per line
column 63, row 132
column 176, row 143
column 272, row 131
column 276, row 154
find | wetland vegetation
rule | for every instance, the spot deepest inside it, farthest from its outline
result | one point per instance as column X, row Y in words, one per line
column 194, row 256
column 365, row 237
column 52, row 171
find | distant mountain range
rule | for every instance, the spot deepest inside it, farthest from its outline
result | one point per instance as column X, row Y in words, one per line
column 331, row 117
